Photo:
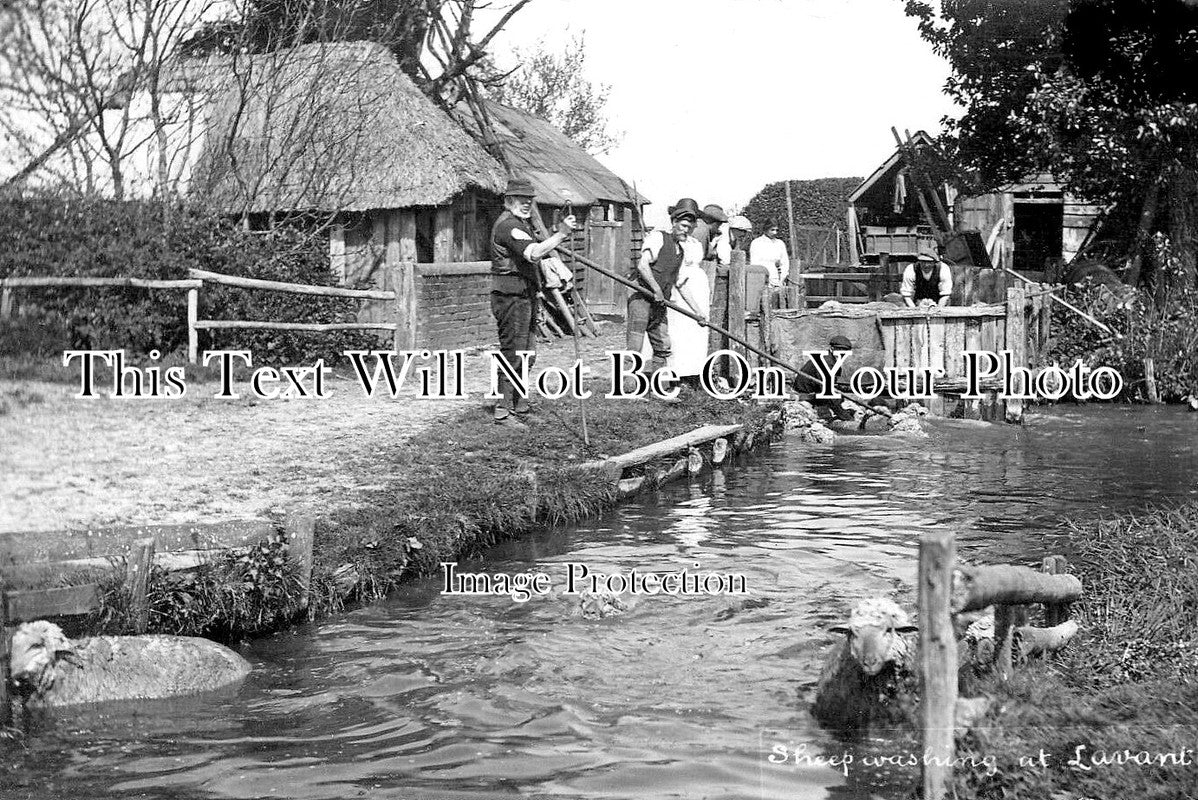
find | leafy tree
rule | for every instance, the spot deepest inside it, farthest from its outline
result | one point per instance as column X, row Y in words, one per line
column 1099, row 92
column 551, row 86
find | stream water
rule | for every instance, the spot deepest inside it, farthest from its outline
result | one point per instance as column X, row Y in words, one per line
column 432, row 696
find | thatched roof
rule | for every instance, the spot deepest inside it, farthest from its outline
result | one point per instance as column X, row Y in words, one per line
column 560, row 170
column 328, row 127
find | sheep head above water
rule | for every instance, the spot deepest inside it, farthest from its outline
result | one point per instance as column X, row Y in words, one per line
column 49, row 669
column 875, row 634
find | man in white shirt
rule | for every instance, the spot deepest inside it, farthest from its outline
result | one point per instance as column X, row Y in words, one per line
column 769, row 251
column 924, row 285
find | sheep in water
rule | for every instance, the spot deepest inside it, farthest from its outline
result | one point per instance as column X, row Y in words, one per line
column 870, row 677
column 48, row 669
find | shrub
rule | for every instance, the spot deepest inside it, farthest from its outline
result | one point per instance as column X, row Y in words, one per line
column 55, row 236
column 816, row 202
column 1159, row 326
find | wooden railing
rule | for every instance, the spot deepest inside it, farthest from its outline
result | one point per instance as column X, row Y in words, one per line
column 945, row 589
column 28, row 561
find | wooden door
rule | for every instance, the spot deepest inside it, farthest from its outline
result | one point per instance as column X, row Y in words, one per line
column 609, row 245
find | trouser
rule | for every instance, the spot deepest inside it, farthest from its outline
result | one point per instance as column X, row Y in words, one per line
column 516, row 317
column 648, row 318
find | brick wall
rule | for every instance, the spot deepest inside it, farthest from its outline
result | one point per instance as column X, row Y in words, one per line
column 454, row 306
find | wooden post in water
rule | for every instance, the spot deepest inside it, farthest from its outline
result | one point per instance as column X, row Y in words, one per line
column 938, row 660
column 137, row 580
column 301, row 533
column 1016, row 336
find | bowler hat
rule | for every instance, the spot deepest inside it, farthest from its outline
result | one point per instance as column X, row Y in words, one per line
column 686, row 207
column 519, row 187
column 840, row 343
column 713, row 213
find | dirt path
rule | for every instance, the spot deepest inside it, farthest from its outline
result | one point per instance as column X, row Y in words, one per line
column 69, row 463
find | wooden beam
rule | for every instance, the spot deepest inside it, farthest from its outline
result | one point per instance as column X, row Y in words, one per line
column 139, row 283
column 641, row 455
column 34, row 546
column 974, row 588
column 26, row 605
column 222, row 324
column 291, row 288
column 137, row 581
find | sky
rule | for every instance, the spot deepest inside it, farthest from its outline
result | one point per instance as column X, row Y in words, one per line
column 717, row 98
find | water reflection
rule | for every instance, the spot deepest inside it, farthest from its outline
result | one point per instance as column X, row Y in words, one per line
column 426, row 696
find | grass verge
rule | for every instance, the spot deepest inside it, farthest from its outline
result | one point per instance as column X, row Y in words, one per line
column 447, row 494
column 1115, row 715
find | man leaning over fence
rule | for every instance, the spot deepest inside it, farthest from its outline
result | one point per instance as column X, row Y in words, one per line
column 516, row 284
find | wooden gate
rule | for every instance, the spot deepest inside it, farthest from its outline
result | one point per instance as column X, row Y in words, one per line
column 609, row 245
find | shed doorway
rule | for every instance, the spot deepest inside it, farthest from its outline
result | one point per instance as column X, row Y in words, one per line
column 1038, row 230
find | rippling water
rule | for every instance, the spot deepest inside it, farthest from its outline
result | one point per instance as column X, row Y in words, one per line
column 428, row 696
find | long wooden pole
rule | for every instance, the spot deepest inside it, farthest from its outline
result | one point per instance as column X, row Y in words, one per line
column 686, row 312
column 1067, row 305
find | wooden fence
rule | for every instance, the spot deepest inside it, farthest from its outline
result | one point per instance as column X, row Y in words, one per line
column 28, row 561
column 945, row 589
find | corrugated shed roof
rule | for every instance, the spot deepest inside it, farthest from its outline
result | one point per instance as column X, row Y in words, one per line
column 561, row 170
column 328, row 127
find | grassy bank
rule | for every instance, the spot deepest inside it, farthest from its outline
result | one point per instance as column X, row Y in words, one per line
column 446, row 494
column 1128, row 683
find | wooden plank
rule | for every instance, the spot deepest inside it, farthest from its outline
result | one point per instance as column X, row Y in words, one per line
column 990, row 335
column 291, row 288
column 954, row 348
column 937, row 348
column 193, row 315
column 138, row 283
column 407, row 299
column 919, row 344
column 443, row 235
column 27, row 605
column 633, row 458
column 938, row 661
column 452, row 268
column 719, row 317
column 888, row 338
column 973, row 335
column 35, row 546
column 902, row 346
column 223, row 324
column 5, row 663
column 823, row 298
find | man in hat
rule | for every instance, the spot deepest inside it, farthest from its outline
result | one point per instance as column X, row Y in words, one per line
column 516, row 286
column 809, row 380
column 735, row 237
column 662, row 255
column 927, row 282
column 707, row 227
column 768, row 251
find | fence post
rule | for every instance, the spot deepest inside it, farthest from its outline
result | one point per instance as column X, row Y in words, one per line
column 5, row 655
column 301, row 533
column 405, row 306
column 5, row 303
column 137, row 580
column 1055, row 613
column 938, row 660
column 1016, row 342
column 193, row 315
column 719, row 316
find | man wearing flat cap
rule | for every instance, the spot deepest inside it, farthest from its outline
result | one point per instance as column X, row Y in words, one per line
column 927, row 282
column 708, row 227
column 662, row 255
column 516, row 286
